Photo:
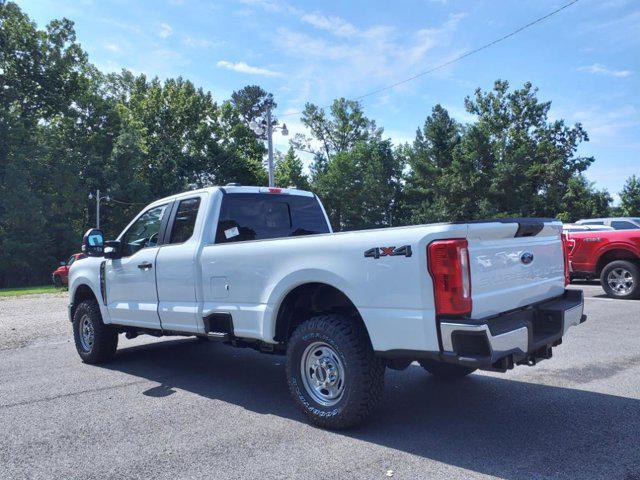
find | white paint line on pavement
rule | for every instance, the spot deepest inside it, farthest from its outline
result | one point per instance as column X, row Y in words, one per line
column 605, row 299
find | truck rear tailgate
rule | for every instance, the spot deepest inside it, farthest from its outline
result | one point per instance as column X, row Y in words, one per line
column 514, row 263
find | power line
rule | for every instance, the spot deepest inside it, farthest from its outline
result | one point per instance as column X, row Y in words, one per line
column 127, row 203
column 458, row 58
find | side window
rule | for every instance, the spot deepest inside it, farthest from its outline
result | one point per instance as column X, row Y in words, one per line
column 592, row 223
column 71, row 260
column 185, row 220
column 144, row 231
column 622, row 225
column 248, row 216
column 308, row 218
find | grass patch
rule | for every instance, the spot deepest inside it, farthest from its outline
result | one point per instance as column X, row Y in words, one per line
column 14, row 292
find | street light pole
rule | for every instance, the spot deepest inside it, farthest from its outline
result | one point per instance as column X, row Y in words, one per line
column 98, row 208
column 270, row 146
column 98, row 198
column 263, row 125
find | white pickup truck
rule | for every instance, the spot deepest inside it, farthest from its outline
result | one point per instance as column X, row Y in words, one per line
column 260, row 267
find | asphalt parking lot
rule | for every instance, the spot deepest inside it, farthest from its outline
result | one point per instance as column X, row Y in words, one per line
column 181, row 408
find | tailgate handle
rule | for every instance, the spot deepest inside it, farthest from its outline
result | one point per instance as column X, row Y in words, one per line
column 145, row 265
column 529, row 228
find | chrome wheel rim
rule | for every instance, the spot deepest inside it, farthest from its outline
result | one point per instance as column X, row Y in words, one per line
column 322, row 373
column 87, row 333
column 620, row 280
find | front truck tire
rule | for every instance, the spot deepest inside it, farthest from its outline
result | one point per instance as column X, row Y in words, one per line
column 95, row 341
column 333, row 374
column 445, row 371
column 621, row 279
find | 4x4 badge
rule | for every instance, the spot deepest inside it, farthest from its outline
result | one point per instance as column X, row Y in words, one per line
column 377, row 252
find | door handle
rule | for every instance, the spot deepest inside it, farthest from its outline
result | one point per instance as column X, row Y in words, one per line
column 145, row 265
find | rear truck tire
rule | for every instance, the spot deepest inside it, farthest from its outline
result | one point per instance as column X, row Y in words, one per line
column 445, row 371
column 621, row 279
column 95, row 341
column 332, row 371
column 57, row 281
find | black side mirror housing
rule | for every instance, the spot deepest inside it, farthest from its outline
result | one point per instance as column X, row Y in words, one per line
column 112, row 249
column 93, row 242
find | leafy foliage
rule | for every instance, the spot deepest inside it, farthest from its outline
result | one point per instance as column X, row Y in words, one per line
column 510, row 162
column 67, row 129
column 630, row 197
column 289, row 171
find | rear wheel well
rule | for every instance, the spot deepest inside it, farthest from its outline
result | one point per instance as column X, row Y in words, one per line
column 613, row 255
column 310, row 300
column 82, row 293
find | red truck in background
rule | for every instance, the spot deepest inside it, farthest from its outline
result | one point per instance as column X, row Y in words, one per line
column 613, row 256
column 60, row 275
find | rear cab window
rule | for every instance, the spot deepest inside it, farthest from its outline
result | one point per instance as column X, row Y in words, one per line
column 259, row 216
column 623, row 225
column 185, row 220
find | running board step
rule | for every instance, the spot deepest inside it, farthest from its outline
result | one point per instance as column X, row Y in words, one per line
column 218, row 336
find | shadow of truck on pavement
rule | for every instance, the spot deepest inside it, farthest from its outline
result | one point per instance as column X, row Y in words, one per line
column 494, row 426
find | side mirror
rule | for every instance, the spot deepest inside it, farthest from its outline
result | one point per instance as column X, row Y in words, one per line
column 112, row 249
column 93, row 242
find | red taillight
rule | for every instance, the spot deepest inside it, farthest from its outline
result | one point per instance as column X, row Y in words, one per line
column 274, row 190
column 449, row 269
column 567, row 246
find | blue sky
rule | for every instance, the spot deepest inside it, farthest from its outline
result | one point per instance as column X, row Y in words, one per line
column 586, row 59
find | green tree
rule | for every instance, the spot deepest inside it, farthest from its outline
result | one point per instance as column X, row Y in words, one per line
column 251, row 103
column 41, row 74
column 68, row 129
column 430, row 160
column 361, row 187
column 289, row 171
column 529, row 160
column 630, row 197
column 582, row 200
column 336, row 132
column 511, row 161
column 354, row 171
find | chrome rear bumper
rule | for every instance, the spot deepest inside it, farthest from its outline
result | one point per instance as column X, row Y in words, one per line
column 520, row 337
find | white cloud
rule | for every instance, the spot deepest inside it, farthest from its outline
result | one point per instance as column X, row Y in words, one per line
column 362, row 59
column 270, row 6
column 199, row 42
column 243, row 67
column 399, row 137
column 608, row 127
column 165, row 30
column 339, row 58
column 109, row 67
column 335, row 25
column 112, row 47
column 600, row 69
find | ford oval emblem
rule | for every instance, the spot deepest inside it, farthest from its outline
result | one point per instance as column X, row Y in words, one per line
column 526, row 258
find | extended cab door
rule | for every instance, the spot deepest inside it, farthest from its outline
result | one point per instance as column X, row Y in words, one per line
column 233, row 281
column 132, row 297
column 177, row 266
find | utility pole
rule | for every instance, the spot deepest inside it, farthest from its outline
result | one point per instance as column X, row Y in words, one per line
column 267, row 124
column 98, row 197
column 270, row 145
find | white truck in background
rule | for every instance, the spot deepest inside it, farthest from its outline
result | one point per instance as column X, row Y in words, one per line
column 260, row 267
